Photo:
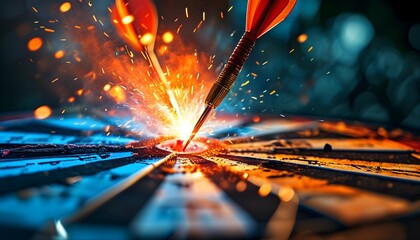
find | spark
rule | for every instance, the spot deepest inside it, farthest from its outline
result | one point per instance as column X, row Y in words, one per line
column 245, row 83
column 186, row 12
column 65, row 7
column 199, row 24
column 130, row 53
column 204, row 16
column 49, row 30
column 35, row 10
column 272, row 92
column 35, row 44
column 310, row 48
column 292, row 50
column 302, row 38
column 54, row 80
column 59, row 54
column 178, row 29
column 231, row 7
column 76, row 57
column 167, row 71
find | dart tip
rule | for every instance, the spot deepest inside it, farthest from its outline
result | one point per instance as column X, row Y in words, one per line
column 197, row 126
column 188, row 142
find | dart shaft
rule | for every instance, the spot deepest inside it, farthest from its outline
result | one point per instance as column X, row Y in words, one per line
column 231, row 70
column 225, row 80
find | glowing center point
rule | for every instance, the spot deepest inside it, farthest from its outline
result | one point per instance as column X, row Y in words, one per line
column 176, row 145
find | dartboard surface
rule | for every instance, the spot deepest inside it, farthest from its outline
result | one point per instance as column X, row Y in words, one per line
column 84, row 177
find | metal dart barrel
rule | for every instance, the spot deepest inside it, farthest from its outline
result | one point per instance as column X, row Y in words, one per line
column 229, row 73
column 224, row 81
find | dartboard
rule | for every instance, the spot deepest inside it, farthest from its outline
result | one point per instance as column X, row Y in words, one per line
column 288, row 177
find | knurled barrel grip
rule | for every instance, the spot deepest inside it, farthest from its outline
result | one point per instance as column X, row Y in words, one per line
column 229, row 73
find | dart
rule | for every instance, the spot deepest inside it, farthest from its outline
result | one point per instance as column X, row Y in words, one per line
column 137, row 23
column 262, row 15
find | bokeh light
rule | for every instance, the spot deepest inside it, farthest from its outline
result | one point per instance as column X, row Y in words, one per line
column 42, row 112
column 65, row 7
column 35, row 44
column 167, row 37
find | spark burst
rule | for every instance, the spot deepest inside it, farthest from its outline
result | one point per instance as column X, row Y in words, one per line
column 103, row 67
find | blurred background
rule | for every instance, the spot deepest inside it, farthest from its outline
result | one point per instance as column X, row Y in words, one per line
column 356, row 60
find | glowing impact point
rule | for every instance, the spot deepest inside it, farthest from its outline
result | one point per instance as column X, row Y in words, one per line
column 177, row 145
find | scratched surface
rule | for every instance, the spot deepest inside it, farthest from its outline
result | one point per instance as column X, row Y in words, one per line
column 280, row 178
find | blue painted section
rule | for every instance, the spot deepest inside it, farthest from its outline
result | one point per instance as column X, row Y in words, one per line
column 52, row 202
